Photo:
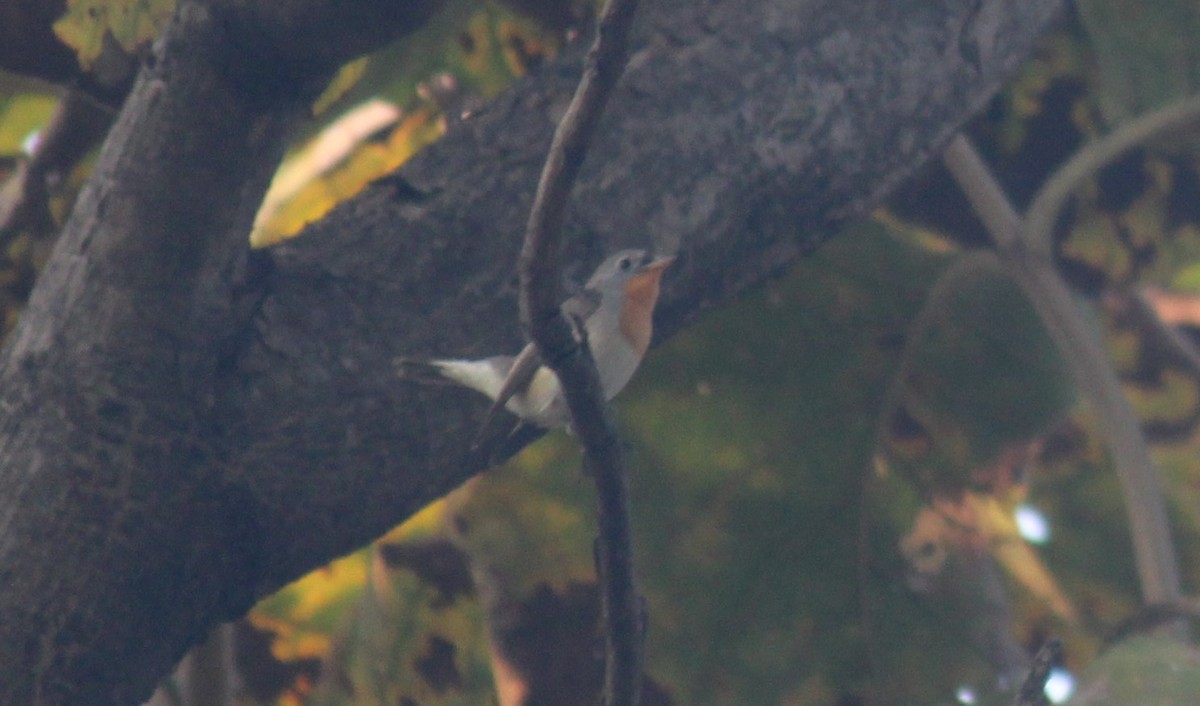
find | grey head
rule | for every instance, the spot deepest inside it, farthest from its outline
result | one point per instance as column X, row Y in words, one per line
column 616, row 270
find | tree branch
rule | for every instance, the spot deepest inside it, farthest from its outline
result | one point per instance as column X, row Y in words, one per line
column 540, row 268
column 744, row 143
column 111, row 460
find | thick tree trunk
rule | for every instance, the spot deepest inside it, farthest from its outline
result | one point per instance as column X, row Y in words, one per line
column 187, row 428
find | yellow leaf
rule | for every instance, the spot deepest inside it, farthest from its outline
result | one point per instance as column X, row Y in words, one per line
column 338, row 164
column 997, row 523
column 20, row 115
column 304, row 615
column 131, row 24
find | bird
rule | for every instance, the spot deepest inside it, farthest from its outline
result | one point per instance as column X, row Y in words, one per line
column 615, row 312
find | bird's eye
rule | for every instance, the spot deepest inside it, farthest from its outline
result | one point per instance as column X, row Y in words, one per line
column 625, row 263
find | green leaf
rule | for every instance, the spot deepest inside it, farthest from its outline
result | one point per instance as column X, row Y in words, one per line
column 986, row 374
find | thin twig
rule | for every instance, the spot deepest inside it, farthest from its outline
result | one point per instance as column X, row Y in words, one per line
column 1090, row 367
column 992, row 206
column 545, row 325
column 1033, row 689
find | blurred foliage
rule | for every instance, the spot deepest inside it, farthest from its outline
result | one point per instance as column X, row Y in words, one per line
column 391, row 622
column 826, row 471
column 312, row 181
column 466, row 54
column 132, row 24
column 975, row 354
column 1145, row 53
column 767, row 540
column 1144, row 670
column 21, row 113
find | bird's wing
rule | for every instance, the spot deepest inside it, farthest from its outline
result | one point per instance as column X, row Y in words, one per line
column 579, row 307
column 524, row 366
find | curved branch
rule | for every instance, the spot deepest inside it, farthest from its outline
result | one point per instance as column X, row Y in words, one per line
column 540, row 269
column 1089, row 365
column 1048, row 202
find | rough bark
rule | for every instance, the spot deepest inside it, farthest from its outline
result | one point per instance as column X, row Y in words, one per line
column 186, row 428
column 120, row 541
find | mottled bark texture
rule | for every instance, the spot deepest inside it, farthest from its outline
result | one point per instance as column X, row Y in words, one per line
column 187, row 427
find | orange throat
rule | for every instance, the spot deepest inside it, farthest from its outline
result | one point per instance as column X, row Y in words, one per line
column 637, row 312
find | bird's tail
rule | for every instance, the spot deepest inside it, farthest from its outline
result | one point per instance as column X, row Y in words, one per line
column 486, row 376
column 423, row 371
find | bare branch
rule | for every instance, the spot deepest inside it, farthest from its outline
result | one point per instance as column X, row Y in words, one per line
column 540, row 265
column 211, row 670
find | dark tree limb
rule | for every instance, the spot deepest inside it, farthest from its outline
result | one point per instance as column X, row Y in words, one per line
column 117, row 524
column 541, row 295
column 186, row 427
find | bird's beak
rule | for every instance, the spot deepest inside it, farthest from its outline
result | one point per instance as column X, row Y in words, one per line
column 649, row 274
column 657, row 265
